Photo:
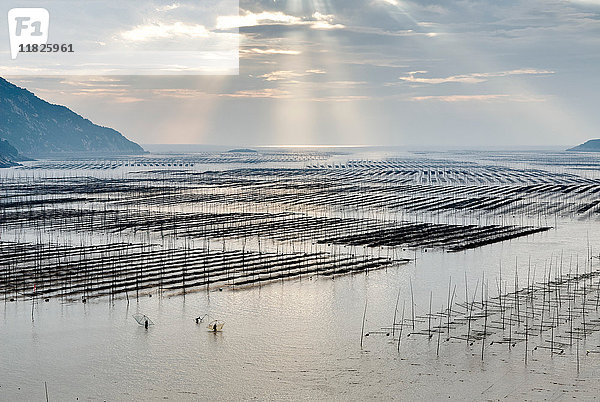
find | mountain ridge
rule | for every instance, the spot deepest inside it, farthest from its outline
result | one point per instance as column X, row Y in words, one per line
column 36, row 127
column 9, row 156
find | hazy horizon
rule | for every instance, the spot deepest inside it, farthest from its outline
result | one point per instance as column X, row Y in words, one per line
column 317, row 147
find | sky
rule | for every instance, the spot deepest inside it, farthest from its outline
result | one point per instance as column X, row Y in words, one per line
column 130, row 37
column 466, row 73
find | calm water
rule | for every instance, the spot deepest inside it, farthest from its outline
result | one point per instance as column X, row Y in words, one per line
column 296, row 339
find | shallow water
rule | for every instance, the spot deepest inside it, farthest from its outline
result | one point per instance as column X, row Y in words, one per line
column 292, row 339
column 297, row 339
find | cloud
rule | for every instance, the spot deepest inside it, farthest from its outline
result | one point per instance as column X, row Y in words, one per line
column 93, row 82
column 341, row 98
column 273, row 93
column 164, row 31
column 472, row 78
column 347, row 83
column 586, row 2
column 413, row 6
column 179, row 93
column 324, row 21
column 91, row 92
column 478, row 98
column 288, row 74
column 250, row 19
column 272, row 51
column 168, row 7
column 128, row 99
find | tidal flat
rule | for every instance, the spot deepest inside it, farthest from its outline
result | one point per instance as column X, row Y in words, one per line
column 344, row 273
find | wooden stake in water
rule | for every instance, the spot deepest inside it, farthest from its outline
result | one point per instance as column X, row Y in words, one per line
column 577, row 355
column 429, row 319
column 401, row 325
column 552, row 338
column 362, row 330
column 412, row 305
column 526, row 334
column 471, row 313
column 484, row 329
column 510, row 329
column 449, row 286
column 395, row 312
column 439, row 334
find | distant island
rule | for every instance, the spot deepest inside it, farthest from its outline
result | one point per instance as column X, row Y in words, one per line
column 588, row 146
column 34, row 127
column 243, row 150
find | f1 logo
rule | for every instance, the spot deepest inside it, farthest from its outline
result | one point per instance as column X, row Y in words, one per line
column 27, row 26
